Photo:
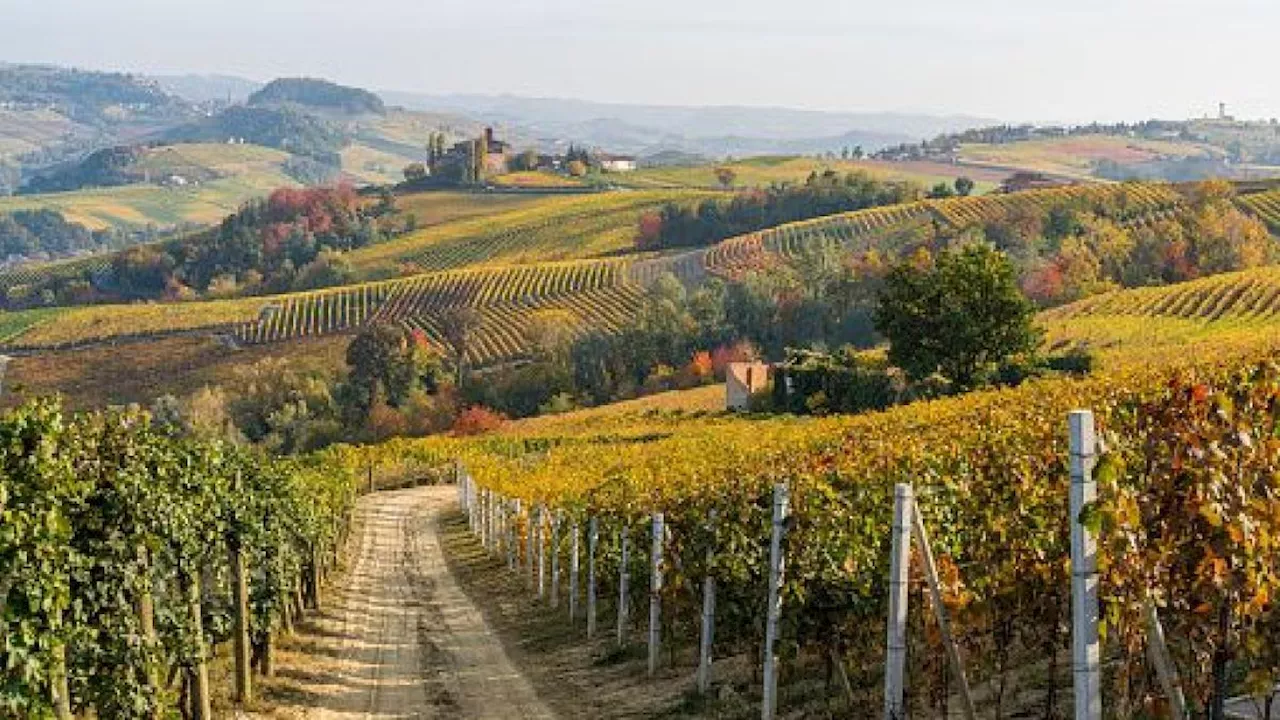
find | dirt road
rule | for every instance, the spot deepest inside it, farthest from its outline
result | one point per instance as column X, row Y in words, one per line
column 398, row 638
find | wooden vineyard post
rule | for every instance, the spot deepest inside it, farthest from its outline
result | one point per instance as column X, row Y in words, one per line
column 1166, row 671
column 147, row 626
column 201, row 703
column 708, row 633
column 655, row 592
column 316, row 579
column 593, row 541
column 240, row 592
column 512, row 537
column 555, row 560
column 624, row 584
column 781, row 501
column 940, row 613
column 528, row 548
column 59, row 684
column 574, row 533
column 1085, row 643
column 896, row 635
column 542, row 552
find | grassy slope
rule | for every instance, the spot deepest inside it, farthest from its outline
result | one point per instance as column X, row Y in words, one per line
column 244, row 172
column 762, row 172
column 1073, row 157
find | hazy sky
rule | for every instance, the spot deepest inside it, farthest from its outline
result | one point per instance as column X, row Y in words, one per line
column 1014, row 59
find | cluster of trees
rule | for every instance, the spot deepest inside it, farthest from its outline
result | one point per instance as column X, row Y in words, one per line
column 1072, row 250
column 714, row 220
column 82, row 95
column 47, row 233
column 290, row 240
column 282, row 127
column 318, row 93
column 104, row 168
column 1002, row 134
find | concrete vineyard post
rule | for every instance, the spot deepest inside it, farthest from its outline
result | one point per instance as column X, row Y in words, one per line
column 242, row 648
column 781, row 502
column 940, row 613
column 593, row 541
column 655, row 592
column 555, row 559
column 896, row 634
column 708, row 633
column 1086, row 651
column 624, row 584
column 574, row 532
column 528, row 547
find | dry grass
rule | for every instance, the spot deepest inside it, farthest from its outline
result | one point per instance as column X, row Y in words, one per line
column 1075, row 156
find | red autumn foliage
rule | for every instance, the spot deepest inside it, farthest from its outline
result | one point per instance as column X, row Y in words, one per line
column 650, row 231
column 742, row 351
column 477, row 420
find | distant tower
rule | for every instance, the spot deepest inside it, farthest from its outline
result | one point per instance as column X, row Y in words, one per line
column 1222, row 111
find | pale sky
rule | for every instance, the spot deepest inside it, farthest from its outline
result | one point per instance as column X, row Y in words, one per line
column 1070, row 60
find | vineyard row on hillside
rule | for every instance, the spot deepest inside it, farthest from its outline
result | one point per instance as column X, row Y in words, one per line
column 1197, row 539
column 500, row 294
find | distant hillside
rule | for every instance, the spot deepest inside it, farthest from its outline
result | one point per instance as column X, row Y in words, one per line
column 284, row 128
column 209, row 88
column 83, row 96
column 319, row 94
column 647, row 129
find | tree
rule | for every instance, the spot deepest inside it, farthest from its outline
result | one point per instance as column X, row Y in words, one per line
column 726, row 176
column 940, row 191
column 414, row 172
column 962, row 317
column 527, row 160
column 479, row 154
column 459, row 325
column 964, row 186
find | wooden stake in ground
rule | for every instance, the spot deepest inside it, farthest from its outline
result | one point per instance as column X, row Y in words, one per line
column 1166, row 671
column 201, row 702
column 593, row 541
column 781, row 500
column 940, row 613
column 896, row 635
column 655, row 592
column 574, row 532
column 624, row 584
column 240, row 593
column 1086, row 646
column 59, row 684
column 708, row 615
column 541, row 536
column 555, row 559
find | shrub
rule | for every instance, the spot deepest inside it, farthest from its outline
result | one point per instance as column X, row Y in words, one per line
column 477, row 420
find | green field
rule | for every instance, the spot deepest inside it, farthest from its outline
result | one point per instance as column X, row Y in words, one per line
column 1074, row 157
column 765, row 171
column 242, row 173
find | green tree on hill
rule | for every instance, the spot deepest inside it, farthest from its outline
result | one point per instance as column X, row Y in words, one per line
column 964, row 186
column 962, row 316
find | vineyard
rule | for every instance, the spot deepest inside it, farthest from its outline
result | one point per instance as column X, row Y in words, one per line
column 555, row 228
column 128, row 555
column 1263, row 205
column 591, row 294
column 990, row 470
